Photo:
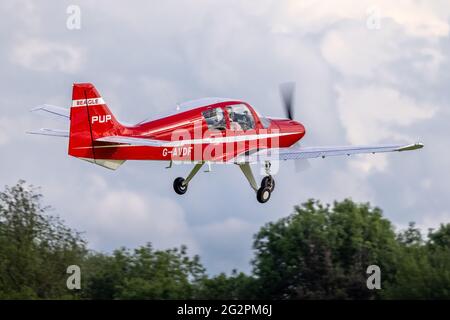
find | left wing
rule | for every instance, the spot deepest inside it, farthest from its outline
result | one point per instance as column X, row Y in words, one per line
column 296, row 153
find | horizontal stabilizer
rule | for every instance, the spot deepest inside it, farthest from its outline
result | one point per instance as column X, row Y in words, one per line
column 55, row 111
column 51, row 132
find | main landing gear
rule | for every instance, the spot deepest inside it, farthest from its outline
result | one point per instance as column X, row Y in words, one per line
column 267, row 184
column 180, row 184
column 263, row 192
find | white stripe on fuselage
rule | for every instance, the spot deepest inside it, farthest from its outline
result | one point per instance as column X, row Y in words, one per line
column 229, row 139
column 211, row 140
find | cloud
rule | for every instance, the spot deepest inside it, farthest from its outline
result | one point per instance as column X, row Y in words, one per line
column 4, row 131
column 429, row 62
column 43, row 55
column 373, row 54
column 356, row 51
column 433, row 220
column 374, row 114
column 417, row 19
column 226, row 241
column 114, row 217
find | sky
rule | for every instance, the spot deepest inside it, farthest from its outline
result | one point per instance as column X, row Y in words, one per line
column 367, row 72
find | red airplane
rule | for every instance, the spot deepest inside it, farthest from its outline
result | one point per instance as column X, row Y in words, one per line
column 210, row 130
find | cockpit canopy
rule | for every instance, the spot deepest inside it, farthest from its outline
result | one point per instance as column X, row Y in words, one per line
column 239, row 114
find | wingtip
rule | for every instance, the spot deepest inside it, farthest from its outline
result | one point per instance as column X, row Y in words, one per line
column 411, row 147
column 35, row 108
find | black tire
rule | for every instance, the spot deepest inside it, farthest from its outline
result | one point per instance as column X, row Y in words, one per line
column 178, row 186
column 268, row 181
column 263, row 194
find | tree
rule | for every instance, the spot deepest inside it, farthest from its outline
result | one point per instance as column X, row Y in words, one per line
column 423, row 268
column 223, row 287
column 35, row 248
column 441, row 237
column 144, row 273
column 322, row 252
column 317, row 252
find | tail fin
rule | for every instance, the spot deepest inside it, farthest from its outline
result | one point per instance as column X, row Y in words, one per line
column 90, row 119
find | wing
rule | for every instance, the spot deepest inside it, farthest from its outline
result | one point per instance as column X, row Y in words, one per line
column 296, row 153
column 51, row 132
column 49, row 110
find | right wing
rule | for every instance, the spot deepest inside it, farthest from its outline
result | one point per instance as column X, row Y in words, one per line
column 297, row 153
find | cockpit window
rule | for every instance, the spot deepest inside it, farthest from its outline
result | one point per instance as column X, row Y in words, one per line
column 240, row 117
column 265, row 122
column 215, row 119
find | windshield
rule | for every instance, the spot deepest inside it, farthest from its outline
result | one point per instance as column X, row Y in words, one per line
column 264, row 121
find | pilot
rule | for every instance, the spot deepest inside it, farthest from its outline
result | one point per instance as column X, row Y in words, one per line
column 247, row 119
column 234, row 125
column 219, row 117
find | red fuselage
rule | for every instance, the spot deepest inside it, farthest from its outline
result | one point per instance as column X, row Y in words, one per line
column 188, row 135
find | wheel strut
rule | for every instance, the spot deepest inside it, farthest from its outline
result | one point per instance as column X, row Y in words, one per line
column 247, row 171
column 180, row 184
column 267, row 185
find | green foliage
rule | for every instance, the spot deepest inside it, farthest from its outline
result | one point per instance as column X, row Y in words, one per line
column 323, row 252
column 223, row 287
column 441, row 237
column 318, row 252
column 35, row 248
column 423, row 268
column 144, row 273
column 411, row 236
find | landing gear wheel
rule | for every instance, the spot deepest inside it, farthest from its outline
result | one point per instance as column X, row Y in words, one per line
column 268, row 181
column 178, row 186
column 263, row 194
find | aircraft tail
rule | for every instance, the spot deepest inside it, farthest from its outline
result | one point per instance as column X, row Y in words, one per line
column 91, row 119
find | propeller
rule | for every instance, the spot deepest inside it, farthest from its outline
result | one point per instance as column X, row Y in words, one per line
column 300, row 165
column 287, row 91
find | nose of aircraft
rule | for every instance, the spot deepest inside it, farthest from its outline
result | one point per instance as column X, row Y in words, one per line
column 300, row 128
column 287, row 125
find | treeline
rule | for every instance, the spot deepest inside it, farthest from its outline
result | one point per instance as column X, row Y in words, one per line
column 318, row 252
